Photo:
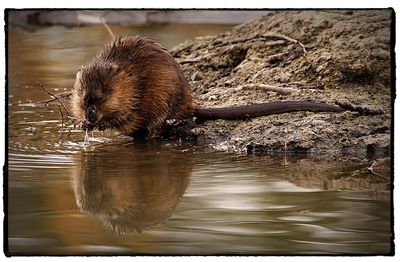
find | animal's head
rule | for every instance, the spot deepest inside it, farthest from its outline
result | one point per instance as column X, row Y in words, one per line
column 102, row 96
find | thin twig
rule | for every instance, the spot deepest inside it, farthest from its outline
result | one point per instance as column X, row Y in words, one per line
column 272, row 59
column 107, row 27
column 62, row 120
column 69, row 132
column 381, row 168
column 284, row 37
column 304, row 85
column 58, row 99
column 176, row 52
column 381, row 176
column 277, row 42
column 264, row 87
column 59, row 95
column 190, row 61
column 279, row 56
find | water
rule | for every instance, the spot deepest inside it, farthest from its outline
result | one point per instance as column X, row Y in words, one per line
column 115, row 195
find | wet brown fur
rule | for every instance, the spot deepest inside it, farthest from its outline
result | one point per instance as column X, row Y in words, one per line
column 135, row 84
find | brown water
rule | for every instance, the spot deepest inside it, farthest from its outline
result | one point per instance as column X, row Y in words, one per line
column 115, row 195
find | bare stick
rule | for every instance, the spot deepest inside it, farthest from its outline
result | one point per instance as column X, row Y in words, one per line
column 277, row 42
column 381, row 168
column 275, row 57
column 62, row 118
column 58, row 99
column 190, row 61
column 238, row 40
column 304, row 85
column 59, row 95
column 107, row 27
column 277, row 89
column 284, row 37
column 180, row 50
column 381, row 176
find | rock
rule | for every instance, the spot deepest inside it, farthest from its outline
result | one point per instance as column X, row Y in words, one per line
column 196, row 76
column 212, row 98
column 284, row 78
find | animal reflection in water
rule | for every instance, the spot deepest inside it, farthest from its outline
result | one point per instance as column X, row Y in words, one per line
column 137, row 197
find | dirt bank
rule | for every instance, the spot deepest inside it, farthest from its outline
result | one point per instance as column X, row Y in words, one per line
column 345, row 59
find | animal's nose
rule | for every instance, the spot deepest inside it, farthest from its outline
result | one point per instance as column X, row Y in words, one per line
column 91, row 114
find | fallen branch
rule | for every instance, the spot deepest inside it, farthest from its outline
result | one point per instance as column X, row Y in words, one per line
column 264, row 87
column 304, row 85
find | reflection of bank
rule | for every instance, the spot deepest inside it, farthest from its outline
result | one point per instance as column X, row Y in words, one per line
column 318, row 172
column 129, row 193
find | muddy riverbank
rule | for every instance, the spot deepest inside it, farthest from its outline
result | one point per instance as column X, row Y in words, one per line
column 342, row 57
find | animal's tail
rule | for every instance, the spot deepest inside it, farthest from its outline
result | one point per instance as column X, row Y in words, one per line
column 254, row 110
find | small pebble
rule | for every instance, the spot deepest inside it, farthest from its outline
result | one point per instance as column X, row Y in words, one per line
column 196, row 76
column 212, row 98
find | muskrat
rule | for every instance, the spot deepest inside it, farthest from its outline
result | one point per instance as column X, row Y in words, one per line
column 135, row 84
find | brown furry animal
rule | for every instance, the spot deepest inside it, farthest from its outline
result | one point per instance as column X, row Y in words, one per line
column 135, row 84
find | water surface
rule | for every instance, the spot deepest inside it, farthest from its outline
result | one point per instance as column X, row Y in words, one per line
column 116, row 195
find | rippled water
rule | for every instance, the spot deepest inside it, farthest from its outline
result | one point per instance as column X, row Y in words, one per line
column 122, row 196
